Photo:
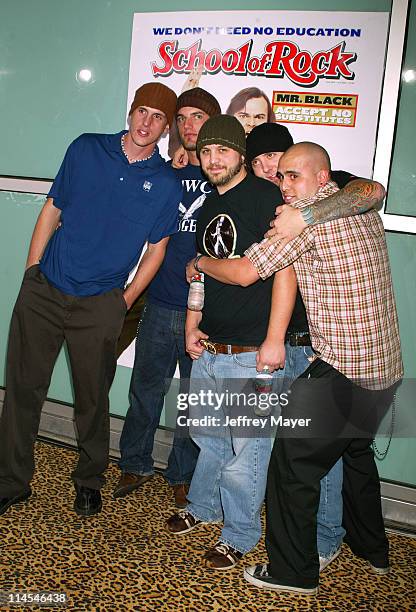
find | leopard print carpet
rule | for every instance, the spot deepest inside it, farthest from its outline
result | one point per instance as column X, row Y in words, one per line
column 123, row 559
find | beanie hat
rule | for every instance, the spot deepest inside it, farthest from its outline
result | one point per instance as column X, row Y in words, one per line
column 267, row 138
column 222, row 130
column 199, row 98
column 155, row 95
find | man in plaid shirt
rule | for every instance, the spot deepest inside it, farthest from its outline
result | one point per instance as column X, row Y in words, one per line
column 344, row 277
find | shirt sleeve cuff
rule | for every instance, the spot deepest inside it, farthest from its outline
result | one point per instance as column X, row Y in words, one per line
column 260, row 258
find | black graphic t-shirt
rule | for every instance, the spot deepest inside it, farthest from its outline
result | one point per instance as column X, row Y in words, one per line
column 227, row 225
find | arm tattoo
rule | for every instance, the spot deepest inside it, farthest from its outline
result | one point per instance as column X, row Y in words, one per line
column 356, row 198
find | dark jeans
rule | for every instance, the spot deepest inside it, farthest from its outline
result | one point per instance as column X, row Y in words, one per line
column 160, row 345
column 43, row 317
column 298, row 464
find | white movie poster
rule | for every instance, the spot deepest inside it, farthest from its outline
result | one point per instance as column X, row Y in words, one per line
column 318, row 73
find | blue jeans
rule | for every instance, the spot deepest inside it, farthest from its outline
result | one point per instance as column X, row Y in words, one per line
column 160, row 344
column 229, row 481
column 230, row 477
column 330, row 532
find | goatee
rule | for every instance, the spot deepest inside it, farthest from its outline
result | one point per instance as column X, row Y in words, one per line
column 221, row 180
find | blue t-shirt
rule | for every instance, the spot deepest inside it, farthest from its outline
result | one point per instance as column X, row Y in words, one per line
column 169, row 287
column 110, row 208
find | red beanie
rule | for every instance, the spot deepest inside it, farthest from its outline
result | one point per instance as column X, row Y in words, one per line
column 155, row 95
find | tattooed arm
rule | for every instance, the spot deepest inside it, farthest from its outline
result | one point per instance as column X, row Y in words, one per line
column 357, row 197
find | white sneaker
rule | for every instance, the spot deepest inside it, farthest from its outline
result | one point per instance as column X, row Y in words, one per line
column 325, row 561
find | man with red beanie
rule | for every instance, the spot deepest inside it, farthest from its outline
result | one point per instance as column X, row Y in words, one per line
column 160, row 343
column 113, row 193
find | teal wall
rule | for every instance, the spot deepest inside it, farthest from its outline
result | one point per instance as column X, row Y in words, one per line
column 18, row 213
column 43, row 43
column 43, row 107
column 400, row 461
column 402, row 188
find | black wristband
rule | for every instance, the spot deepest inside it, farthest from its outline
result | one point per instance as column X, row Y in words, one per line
column 197, row 268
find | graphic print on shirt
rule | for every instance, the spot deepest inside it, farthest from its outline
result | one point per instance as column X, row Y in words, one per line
column 186, row 221
column 220, row 237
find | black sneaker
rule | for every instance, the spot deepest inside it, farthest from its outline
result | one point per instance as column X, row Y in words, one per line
column 259, row 576
column 6, row 502
column 379, row 567
column 380, row 570
column 88, row 501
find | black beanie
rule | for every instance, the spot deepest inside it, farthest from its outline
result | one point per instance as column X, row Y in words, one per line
column 222, row 130
column 268, row 138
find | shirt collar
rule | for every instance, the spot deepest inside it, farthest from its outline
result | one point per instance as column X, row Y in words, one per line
column 115, row 145
column 115, row 141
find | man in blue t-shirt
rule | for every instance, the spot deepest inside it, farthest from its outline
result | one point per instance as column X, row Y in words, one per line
column 113, row 193
column 160, row 343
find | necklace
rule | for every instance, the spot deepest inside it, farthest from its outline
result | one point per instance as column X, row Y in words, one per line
column 132, row 160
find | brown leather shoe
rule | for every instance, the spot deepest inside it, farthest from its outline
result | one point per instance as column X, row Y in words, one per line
column 180, row 492
column 221, row 557
column 182, row 522
column 129, row 483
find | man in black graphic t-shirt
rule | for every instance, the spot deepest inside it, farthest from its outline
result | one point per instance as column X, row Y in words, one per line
column 241, row 330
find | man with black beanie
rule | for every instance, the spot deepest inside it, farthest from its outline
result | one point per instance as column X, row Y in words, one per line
column 266, row 143
column 265, row 146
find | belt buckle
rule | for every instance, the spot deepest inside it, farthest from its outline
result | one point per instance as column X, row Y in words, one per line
column 297, row 339
column 208, row 346
column 292, row 339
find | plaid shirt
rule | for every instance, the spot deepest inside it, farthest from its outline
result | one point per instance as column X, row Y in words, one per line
column 344, row 276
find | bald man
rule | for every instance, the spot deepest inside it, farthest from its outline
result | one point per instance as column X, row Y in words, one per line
column 344, row 276
column 302, row 171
